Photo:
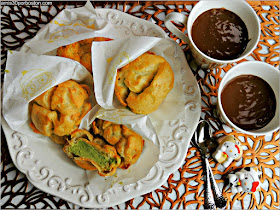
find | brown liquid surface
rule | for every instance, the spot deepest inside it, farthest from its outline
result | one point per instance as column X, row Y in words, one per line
column 220, row 34
column 249, row 102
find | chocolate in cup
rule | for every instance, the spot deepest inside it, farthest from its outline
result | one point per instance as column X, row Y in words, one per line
column 241, row 8
column 267, row 73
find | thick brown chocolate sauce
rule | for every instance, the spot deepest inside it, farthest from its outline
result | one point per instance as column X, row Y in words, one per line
column 249, row 102
column 220, row 34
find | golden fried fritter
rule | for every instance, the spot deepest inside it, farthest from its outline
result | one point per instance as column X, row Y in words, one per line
column 129, row 144
column 143, row 84
column 68, row 98
column 130, row 147
column 80, row 51
column 58, row 111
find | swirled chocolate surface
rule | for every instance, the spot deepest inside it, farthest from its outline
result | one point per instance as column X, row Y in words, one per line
column 249, row 102
column 220, row 34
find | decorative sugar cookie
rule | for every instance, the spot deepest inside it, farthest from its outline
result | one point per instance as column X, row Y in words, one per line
column 247, row 180
column 229, row 149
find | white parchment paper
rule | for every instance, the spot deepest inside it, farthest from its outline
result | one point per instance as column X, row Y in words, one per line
column 69, row 26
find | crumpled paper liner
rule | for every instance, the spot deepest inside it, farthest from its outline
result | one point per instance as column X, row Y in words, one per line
column 69, row 26
column 115, row 54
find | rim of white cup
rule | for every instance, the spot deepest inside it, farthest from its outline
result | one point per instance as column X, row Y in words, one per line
column 225, row 80
column 240, row 57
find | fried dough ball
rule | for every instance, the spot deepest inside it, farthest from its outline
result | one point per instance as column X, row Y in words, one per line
column 143, row 84
column 58, row 111
column 92, row 153
column 129, row 144
column 80, row 51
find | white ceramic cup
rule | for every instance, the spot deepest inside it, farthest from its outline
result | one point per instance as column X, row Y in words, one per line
column 260, row 69
column 239, row 7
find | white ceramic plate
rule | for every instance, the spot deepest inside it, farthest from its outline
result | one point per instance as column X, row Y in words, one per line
column 38, row 160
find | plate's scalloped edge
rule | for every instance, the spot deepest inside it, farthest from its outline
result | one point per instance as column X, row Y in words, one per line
column 139, row 27
column 39, row 174
column 172, row 149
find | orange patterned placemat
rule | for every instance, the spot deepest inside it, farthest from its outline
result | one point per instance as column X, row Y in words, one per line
column 184, row 188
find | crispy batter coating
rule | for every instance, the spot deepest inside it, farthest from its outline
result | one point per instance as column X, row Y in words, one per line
column 111, row 132
column 129, row 147
column 129, row 144
column 58, row 111
column 65, row 125
column 43, row 119
column 58, row 139
column 92, row 153
column 80, row 51
column 68, row 98
column 81, row 134
column 143, row 84
column 44, row 99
